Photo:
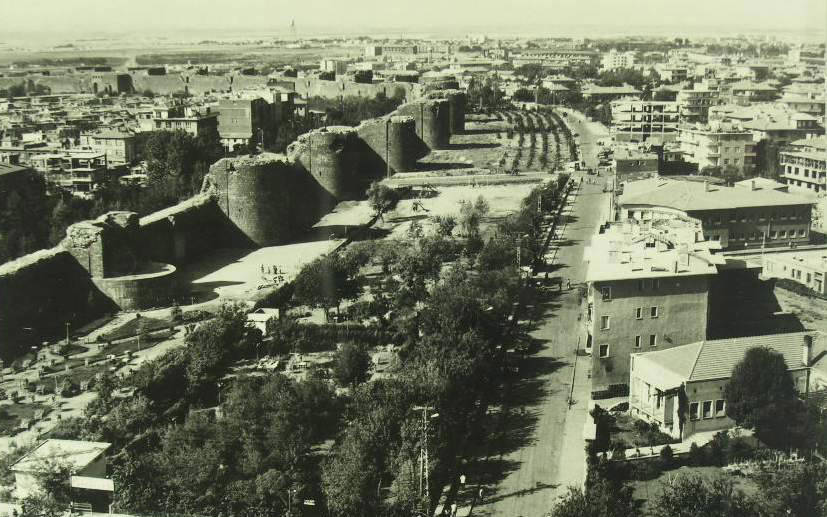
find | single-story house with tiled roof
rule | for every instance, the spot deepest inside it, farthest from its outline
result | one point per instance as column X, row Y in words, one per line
column 682, row 388
column 85, row 459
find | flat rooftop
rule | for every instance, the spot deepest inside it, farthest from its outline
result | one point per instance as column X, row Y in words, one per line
column 694, row 196
column 11, row 169
column 77, row 453
column 658, row 248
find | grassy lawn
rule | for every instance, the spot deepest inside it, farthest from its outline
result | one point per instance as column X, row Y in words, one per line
column 131, row 327
column 645, row 491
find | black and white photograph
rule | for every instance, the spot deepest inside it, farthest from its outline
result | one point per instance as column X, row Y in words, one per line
column 442, row 258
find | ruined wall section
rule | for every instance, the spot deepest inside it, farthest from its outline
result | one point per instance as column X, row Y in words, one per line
column 266, row 198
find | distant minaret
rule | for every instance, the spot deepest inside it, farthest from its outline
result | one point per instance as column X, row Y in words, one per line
column 293, row 28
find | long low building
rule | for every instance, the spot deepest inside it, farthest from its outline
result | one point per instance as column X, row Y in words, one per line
column 682, row 389
column 806, row 267
column 736, row 217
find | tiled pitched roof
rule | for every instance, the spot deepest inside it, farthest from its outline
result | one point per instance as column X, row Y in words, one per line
column 715, row 359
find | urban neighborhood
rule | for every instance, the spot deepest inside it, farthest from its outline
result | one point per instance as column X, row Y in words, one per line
column 554, row 267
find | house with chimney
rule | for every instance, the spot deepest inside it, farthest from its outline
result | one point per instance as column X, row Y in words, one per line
column 681, row 389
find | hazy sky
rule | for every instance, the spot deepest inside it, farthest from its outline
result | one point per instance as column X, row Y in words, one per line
column 73, row 16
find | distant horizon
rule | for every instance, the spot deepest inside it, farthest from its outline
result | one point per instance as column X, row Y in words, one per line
column 68, row 19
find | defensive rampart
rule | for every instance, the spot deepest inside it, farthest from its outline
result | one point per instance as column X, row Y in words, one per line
column 120, row 261
column 313, row 87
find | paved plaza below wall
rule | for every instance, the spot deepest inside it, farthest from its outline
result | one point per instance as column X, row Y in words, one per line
column 233, row 274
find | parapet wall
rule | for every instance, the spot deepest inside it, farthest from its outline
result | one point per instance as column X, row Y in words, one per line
column 266, row 198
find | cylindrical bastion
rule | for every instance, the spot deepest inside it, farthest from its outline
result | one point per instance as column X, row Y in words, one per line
column 457, row 102
column 331, row 156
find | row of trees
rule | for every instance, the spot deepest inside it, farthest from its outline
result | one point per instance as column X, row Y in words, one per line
column 445, row 296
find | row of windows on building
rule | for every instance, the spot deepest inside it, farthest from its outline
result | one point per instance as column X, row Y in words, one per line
column 807, row 173
column 804, row 184
column 757, row 236
column 645, row 284
column 653, row 312
column 707, row 409
column 758, row 217
column 604, row 349
column 797, row 274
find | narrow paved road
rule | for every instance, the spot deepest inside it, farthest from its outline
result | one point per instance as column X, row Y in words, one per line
column 537, row 448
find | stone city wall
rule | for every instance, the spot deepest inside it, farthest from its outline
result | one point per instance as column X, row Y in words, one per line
column 107, row 264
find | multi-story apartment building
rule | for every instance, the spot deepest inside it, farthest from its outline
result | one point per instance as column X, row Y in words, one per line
column 119, row 147
column 195, row 121
column 636, row 120
column 672, row 73
column 811, row 103
column 614, row 60
column 734, row 217
column 610, row 93
column 718, row 145
column 744, row 93
column 648, row 289
column 246, row 121
column 79, row 172
column 804, row 165
column 694, row 104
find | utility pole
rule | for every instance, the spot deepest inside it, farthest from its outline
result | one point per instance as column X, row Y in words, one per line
column 423, row 453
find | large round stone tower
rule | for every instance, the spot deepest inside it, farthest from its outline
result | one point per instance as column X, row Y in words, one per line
column 331, row 156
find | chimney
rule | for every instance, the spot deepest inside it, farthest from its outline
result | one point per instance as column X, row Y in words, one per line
column 752, row 185
column 807, row 350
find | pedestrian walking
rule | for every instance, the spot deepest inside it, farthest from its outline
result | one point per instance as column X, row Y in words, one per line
column 568, row 284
